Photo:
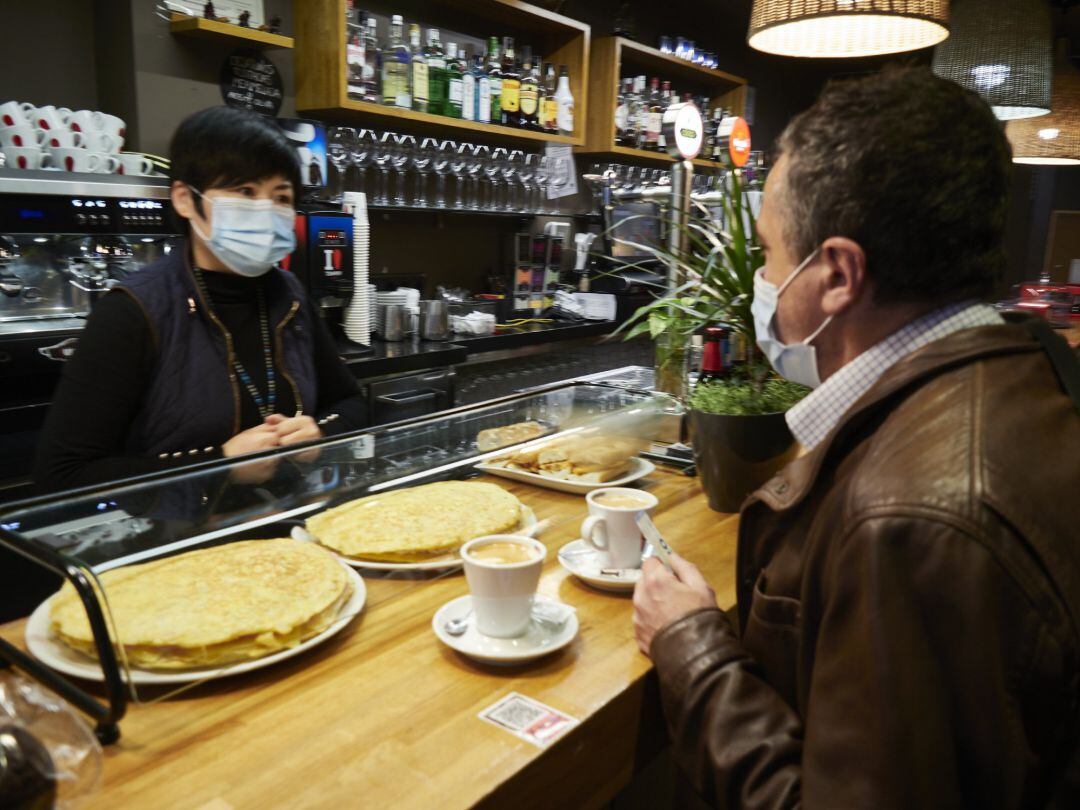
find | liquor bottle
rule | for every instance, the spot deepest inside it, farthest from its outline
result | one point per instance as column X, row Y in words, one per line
column 436, row 72
column 530, row 92
column 654, row 116
column 419, row 71
column 468, row 87
column 372, row 72
column 565, row 100
column 483, row 91
column 494, row 72
column 395, row 67
column 354, row 52
column 454, row 82
column 622, row 111
column 667, row 98
column 716, row 359
column 549, row 107
column 713, row 143
column 511, row 86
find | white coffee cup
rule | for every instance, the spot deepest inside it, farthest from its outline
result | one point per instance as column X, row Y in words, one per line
column 50, row 117
column 86, row 121
column 62, row 138
column 98, row 141
column 21, row 136
column 612, row 529
column 134, row 163
column 503, row 589
column 13, row 114
column 75, row 160
column 26, row 157
column 110, row 164
column 114, row 126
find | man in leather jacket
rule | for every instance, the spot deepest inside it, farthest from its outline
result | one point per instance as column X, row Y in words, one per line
column 909, row 588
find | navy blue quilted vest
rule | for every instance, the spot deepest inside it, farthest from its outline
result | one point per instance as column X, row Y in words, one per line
column 192, row 403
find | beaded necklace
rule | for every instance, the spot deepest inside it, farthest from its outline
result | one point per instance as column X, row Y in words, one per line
column 265, row 405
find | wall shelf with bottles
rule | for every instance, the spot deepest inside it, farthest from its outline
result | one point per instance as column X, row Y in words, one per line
column 615, row 57
column 321, row 69
column 203, row 28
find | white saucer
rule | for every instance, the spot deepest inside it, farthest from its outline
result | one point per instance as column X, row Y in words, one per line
column 583, row 561
column 539, row 640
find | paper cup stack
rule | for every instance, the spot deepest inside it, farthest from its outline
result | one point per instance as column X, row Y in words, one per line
column 358, row 315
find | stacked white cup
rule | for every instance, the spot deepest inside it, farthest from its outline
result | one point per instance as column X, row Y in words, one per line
column 56, row 138
column 358, row 315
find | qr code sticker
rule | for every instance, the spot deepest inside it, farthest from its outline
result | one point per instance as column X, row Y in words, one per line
column 528, row 719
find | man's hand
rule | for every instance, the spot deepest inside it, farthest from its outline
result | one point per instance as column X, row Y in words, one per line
column 662, row 597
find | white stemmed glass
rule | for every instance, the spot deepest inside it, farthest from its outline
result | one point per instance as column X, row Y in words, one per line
column 493, row 172
column 383, row 152
column 339, row 145
column 527, row 173
column 423, row 161
column 362, row 152
column 478, row 168
column 444, row 154
column 400, row 156
column 459, row 164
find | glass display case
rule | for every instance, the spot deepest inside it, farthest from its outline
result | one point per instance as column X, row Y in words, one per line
column 96, row 537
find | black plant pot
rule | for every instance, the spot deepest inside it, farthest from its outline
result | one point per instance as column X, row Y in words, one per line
column 737, row 454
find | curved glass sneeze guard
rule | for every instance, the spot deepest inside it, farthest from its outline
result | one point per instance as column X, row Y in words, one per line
column 271, row 496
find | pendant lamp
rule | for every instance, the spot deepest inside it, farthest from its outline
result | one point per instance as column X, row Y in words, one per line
column 846, row 28
column 1003, row 50
column 1054, row 139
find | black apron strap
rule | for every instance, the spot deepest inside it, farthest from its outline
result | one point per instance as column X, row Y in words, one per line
column 1062, row 357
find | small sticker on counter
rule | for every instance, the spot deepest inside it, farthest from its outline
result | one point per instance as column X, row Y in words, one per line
column 528, row 719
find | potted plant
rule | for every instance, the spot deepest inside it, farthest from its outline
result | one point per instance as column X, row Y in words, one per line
column 736, row 426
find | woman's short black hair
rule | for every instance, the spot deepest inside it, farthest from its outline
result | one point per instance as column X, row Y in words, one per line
column 222, row 147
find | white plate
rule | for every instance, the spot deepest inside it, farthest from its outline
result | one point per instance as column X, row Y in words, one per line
column 639, row 468
column 447, row 562
column 54, row 653
column 539, row 640
column 583, row 561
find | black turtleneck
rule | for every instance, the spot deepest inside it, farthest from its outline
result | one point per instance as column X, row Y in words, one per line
column 103, row 386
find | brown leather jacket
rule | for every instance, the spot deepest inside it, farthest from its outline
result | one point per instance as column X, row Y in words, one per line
column 909, row 602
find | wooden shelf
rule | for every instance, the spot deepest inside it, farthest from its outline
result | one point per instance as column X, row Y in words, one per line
column 630, row 155
column 363, row 111
column 610, row 57
column 322, row 91
column 202, row 28
column 667, row 66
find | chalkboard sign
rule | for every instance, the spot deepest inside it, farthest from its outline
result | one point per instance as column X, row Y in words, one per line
column 250, row 81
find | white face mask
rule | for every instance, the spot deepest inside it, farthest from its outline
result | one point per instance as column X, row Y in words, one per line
column 793, row 361
column 249, row 236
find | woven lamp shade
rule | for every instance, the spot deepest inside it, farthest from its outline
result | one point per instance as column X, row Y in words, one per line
column 1003, row 50
column 1054, row 139
column 846, row 28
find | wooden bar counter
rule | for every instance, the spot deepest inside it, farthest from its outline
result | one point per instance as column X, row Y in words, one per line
column 384, row 716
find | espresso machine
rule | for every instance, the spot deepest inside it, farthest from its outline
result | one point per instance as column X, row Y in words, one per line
column 65, row 240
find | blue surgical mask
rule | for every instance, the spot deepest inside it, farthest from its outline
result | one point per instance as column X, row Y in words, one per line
column 793, row 361
column 249, row 236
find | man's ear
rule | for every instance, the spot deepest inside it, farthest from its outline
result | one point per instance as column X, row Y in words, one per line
column 183, row 201
column 846, row 282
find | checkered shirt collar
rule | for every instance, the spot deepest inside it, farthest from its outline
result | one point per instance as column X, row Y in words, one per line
column 812, row 419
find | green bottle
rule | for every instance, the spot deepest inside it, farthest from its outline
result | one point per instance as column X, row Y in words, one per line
column 436, row 68
column 494, row 72
column 454, row 82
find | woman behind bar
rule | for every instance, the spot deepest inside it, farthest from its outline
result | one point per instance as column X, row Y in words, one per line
column 211, row 351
